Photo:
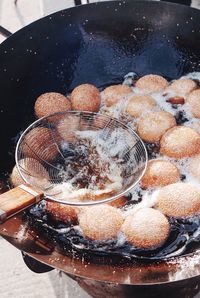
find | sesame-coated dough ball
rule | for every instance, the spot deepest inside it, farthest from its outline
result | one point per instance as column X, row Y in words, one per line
column 33, row 171
column 15, row 177
column 183, row 86
column 193, row 166
column 50, row 103
column 85, row 97
column 100, row 222
column 193, row 102
column 194, row 124
column 39, row 142
column 113, row 94
column 151, row 83
column 146, row 228
column 62, row 212
column 67, row 127
column 154, row 125
column 138, row 104
column 179, row 200
column 179, row 142
column 160, row 173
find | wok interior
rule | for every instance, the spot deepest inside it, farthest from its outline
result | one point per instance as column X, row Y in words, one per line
column 96, row 44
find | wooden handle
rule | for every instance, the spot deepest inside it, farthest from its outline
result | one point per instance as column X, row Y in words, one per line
column 17, row 199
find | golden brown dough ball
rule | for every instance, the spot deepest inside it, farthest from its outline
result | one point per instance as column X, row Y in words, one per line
column 179, row 142
column 194, row 124
column 151, row 83
column 100, row 222
column 153, row 125
column 193, row 166
column 86, row 97
column 179, row 200
column 183, row 86
column 67, row 127
column 50, row 103
column 138, row 104
column 39, row 141
column 146, row 228
column 62, row 212
column 33, row 171
column 113, row 94
column 160, row 173
column 193, row 102
column 15, row 177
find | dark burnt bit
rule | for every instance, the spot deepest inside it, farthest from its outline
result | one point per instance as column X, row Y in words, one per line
column 152, row 149
column 128, row 196
column 181, row 117
column 137, row 200
column 182, row 177
column 174, row 106
column 197, row 82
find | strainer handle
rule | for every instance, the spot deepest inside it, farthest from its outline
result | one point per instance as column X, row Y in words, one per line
column 17, row 199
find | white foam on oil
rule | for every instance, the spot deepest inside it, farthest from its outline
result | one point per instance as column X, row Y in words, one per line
column 149, row 200
column 111, row 145
column 192, row 75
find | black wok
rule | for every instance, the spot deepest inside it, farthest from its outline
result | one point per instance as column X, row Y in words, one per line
column 98, row 44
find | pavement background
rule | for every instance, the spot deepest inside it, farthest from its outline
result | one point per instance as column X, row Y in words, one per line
column 16, row 280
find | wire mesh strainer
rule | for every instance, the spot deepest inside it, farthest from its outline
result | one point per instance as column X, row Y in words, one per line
column 80, row 158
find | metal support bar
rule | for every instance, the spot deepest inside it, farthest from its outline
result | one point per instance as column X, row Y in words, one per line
column 5, row 32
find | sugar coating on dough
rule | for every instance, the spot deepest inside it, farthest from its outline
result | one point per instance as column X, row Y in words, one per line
column 179, row 142
column 179, row 200
column 193, row 103
column 101, row 222
column 160, row 173
column 112, row 94
column 151, row 83
column 153, row 125
column 146, row 228
column 138, row 104
column 183, row 86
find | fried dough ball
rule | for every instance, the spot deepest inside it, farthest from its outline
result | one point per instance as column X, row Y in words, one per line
column 146, row 228
column 151, row 83
column 50, row 103
column 179, row 142
column 183, row 86
column 100, row 222
column 62, row 212
column 194, row 124
column 68, row 126
column 138, row 104
column 86, row 97
column 193, row 102
column 113, row 94
column 193, row 166
column 160, row 173
column 39, row 142
column 33, row 171
column 15, row 177
column 154, row 125
column 179, row 200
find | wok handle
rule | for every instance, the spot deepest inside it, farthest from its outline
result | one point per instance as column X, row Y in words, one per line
column 17, row 199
